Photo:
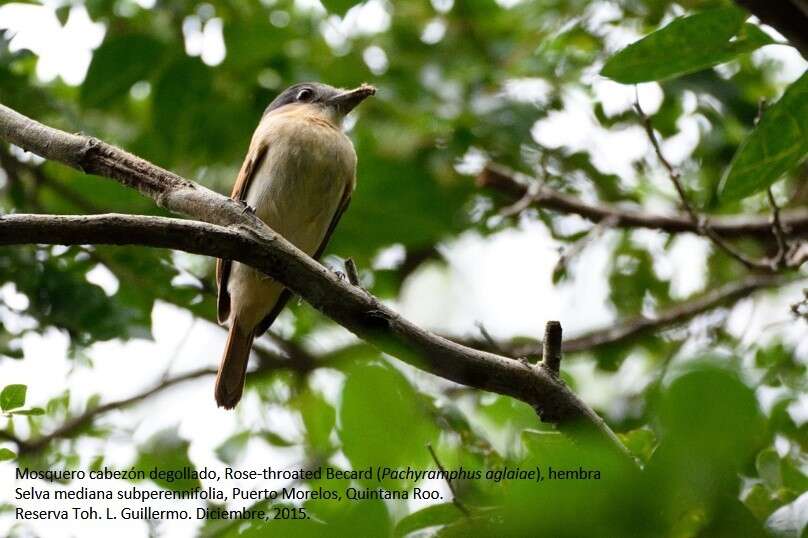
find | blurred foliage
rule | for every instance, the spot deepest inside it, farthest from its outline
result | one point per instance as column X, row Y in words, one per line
column 458, row 82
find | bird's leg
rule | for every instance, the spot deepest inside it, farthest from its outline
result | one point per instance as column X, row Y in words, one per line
column 339, row 274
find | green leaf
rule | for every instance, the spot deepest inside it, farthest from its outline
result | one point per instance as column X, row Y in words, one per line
column 32, row 412
column 166, row 451
column 794, row 477
column 641, row 442
column 686, row 45
column 339, row 7
column 59, row 404
column 62, row 13
column 117, row 64
column 543, row 443
column 751, row 37
column 96, row 463
column 319, row 418
column 276, row 440
column 776, row 145
column 60, row 294
column 431, row 516
column 6, row 454
column 381, row 413
column 233, row 447
column 505, row 412
column 709, row 414
column 769, row 468
column 759, row 501
column 347, row 518
column 12, row 397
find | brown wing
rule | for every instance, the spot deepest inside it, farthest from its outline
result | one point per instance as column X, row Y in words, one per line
column 251, row 164
column 286, row 294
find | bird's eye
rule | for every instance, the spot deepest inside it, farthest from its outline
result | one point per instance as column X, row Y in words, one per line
column 305, row 94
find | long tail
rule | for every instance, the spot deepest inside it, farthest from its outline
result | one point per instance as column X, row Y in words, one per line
column 233, row 368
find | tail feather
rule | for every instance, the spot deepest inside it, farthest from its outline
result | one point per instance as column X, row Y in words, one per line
column 233, row 368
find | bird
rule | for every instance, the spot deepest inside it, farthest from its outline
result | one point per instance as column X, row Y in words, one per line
column 297, row 177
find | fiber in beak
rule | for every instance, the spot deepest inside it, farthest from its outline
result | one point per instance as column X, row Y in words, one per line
column 346, row 101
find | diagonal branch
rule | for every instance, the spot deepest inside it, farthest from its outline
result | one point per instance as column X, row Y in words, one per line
column 514, row 186
column 348, row 305
column 229, row 232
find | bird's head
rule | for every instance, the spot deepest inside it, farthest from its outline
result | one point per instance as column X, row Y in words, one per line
column 334, row 102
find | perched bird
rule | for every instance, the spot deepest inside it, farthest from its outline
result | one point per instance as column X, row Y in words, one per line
column 298, row 177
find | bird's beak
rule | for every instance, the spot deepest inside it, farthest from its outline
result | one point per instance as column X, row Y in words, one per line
column 346, row 101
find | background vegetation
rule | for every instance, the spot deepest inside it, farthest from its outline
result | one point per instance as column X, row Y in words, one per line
column 718, row 417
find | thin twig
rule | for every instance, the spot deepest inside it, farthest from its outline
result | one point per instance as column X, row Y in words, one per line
column 76, row 423
column 487, row 337
column 623, row 331
column 798, row 255
column 779, row 260
column 175, row 353
column 761, row 109
column 513, row 185
column 353, row 274
column 455, row 499
column 532, row 194
column 551, row 347
column 673, row 172
column 578, row 246
column 702, row 224
column 800, row 309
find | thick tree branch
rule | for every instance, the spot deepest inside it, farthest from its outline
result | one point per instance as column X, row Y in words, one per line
column 349, row 305
column 340, row 300
column 229, row 232
column 514, row 186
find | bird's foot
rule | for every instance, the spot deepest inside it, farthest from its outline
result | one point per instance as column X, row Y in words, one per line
column 246, row 208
